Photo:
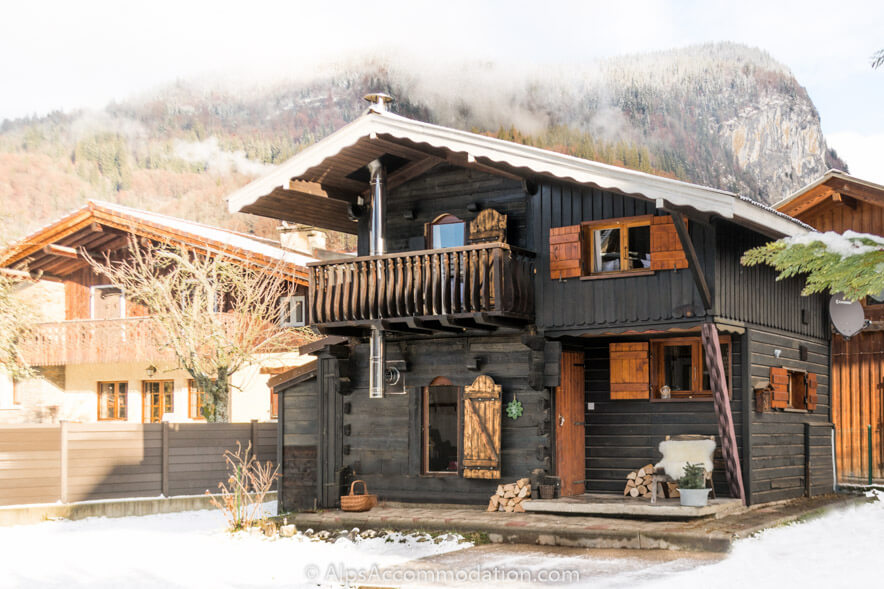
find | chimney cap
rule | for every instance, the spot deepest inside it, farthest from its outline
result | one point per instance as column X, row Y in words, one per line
column 379, row 101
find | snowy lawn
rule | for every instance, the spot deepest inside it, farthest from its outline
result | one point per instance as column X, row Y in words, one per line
column 188, row 549
column 842, row 548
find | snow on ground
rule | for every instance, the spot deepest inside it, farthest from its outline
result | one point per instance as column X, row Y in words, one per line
column 189, row 549
column 841, row 548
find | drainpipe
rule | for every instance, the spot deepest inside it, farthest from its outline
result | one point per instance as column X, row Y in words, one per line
column 378, row 248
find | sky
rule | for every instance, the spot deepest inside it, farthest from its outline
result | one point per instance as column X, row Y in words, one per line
column 67, row 55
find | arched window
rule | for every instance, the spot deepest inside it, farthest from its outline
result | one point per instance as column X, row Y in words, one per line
column 446, row 231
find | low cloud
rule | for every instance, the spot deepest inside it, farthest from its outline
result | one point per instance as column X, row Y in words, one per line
column 215, row 159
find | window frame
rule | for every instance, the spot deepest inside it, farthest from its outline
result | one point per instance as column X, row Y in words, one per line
column 439, row 381
column 623, row 224
column 145, row 406
column 191, row 389
column 790, row 403
column 698, row 363
column 285, row 310
column 116, row 384
column 444, row 219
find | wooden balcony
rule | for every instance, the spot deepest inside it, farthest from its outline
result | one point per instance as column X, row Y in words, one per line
column 482, row 286
column 93, row 342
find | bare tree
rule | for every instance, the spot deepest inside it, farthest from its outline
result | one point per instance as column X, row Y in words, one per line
column 878, row 59
column 17, row 318
column 214, row 313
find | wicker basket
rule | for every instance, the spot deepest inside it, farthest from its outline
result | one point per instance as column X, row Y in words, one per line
column 360, row 502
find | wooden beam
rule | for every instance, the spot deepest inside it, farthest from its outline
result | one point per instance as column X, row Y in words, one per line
column 61, row 250
column 95, row 228
column 721, row 400
column 411, row 171
column 304, row 208
column 693, row 262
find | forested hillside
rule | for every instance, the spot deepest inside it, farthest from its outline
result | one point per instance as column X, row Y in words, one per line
column 720, row 115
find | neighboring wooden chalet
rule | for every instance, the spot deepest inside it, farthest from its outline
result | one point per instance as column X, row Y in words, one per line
column 839, row 202
column 610, row 303
column 94, row 352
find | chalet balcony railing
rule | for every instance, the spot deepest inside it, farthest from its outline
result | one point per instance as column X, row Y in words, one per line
column 93, row 342
column 463, row 286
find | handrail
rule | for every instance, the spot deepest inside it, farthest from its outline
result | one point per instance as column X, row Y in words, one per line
column 463, row 248
column 491, row 278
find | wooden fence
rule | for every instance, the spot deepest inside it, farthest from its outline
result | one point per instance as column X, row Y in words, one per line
column 78, row 462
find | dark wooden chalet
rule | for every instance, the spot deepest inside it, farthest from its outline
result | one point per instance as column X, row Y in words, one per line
column 610, row 303
column 840, row 202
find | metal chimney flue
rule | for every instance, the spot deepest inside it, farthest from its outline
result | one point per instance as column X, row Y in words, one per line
column 379, row 101
column 378, row 247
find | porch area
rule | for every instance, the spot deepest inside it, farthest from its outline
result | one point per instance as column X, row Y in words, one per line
column 606, row 505
column 706, row 534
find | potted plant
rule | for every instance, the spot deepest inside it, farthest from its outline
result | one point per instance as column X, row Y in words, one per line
column 692, row 486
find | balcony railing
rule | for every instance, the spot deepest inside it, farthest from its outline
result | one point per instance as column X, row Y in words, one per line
column 476, row 285
column 93, row 342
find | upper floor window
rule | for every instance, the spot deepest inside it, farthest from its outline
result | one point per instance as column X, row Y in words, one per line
column 107, row 302
column 618, row 245
column 446, row 231
column 292, row 312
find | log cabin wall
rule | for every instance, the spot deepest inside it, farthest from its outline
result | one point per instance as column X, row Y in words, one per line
column 382, row 437
column 790, row 450
column 449, row 189
column 299, row 441
column 623, row 435
column 753, row 295
column 576, row 304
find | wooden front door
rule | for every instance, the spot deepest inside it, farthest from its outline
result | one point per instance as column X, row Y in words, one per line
column 569, row 425
column 158, row 400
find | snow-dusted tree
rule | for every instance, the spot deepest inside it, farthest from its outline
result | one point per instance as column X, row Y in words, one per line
column 852, row 263
column 878, row 59
column 214, row 313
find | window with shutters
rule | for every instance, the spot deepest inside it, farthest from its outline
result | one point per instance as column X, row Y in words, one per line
column 680, row 370
column 793, row 389
column 440, row 427
column 627, row 246
column 618, row 245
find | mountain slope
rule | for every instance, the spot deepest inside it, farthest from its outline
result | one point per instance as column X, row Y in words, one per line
column 721, row 115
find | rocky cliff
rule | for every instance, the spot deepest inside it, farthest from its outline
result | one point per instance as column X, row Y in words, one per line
column 720, row 115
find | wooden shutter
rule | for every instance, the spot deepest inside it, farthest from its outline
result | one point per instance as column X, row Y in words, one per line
column 666, row 250
column 810, row 391
column 629, row 370
column 779, row 382
column 481, row 429
column 489, row 226
column 565, row 252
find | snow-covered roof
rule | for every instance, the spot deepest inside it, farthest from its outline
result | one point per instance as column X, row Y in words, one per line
column 211, row 234
column 78, row 229
column 313, row 165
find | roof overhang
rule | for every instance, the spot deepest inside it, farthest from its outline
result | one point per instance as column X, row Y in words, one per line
column 61, row 247
column 334, row 166
column 835, row 186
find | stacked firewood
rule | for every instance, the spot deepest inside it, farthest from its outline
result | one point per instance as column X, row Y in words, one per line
column 639, row 483
column 509, row 497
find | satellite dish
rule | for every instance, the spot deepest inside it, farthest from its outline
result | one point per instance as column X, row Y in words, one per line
column 847, row 316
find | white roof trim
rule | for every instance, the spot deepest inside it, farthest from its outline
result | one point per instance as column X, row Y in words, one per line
column 673, row 193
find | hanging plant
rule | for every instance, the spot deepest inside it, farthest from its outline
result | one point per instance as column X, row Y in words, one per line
column 514, row 409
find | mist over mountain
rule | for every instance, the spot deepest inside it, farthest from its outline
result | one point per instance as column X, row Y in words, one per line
column 720, row 115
